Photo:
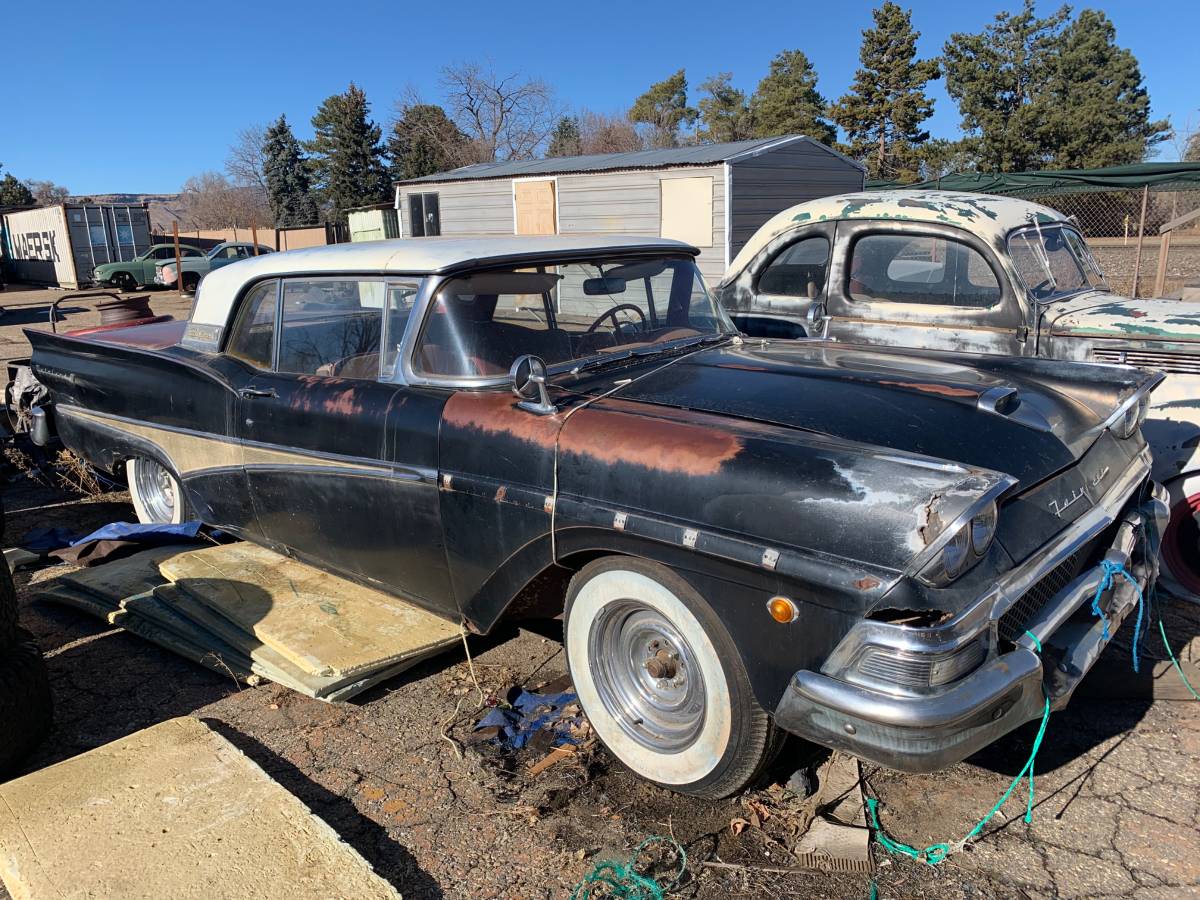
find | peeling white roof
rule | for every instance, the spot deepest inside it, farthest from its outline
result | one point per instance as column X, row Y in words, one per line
column 987, row 215
column 403, row 256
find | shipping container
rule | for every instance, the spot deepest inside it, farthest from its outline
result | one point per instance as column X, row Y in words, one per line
column 61, row 245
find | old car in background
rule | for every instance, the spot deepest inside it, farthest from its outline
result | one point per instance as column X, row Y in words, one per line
column 980, row 274
column 884, row 551
column 195, row 268
column 139, row 271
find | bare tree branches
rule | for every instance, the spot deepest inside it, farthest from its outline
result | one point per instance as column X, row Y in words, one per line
column 210, row 201
column 504, row 116
column 244, row 164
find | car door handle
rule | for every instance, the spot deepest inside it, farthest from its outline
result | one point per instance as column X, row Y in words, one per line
column 252, row 393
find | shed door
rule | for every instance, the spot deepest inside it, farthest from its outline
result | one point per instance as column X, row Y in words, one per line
column 535, row 207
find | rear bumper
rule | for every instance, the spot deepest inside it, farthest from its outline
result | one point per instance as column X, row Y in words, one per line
column 929, row 732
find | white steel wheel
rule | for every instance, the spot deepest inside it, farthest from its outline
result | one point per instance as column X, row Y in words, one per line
column 661, row 681
column 157, row 496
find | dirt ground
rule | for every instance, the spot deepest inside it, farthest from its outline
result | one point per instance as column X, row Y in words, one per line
column 1118, row 788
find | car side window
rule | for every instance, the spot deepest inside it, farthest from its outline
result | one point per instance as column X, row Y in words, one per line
column 925, row 269
column 798, row 271
column 188, row 252
column 332, row 327
column 165, row 253
column 253, row 337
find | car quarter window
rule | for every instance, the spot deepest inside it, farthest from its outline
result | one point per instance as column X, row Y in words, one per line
column 925, row 269
column 252, row 339
column 332, row 327
column 799, row 270
column 401, row 295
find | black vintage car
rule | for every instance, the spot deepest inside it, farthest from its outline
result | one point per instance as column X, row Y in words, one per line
column 863, row 547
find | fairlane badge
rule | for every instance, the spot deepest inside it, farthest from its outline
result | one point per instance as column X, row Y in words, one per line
column 1100, row 476
column 1060, row 506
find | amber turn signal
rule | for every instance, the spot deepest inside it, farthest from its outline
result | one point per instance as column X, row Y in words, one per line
column 782, row 610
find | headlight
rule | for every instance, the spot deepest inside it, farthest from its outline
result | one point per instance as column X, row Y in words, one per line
column 968, row 544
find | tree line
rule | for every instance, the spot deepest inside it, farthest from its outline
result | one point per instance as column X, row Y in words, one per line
column 1033, row 92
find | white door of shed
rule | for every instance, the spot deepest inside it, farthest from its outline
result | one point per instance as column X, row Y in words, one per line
column 687, row 210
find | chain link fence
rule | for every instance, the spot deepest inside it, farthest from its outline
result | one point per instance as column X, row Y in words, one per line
column 1112, row 221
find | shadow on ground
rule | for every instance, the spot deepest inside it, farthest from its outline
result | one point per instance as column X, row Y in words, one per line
column 391, row 860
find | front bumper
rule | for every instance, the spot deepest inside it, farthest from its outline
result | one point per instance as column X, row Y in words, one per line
column 931, row 731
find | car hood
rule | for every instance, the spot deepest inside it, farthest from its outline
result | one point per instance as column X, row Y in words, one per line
column 934, row 405
column 1103, row 315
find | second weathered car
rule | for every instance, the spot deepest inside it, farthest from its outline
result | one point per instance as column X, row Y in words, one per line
column 882, row 551
column 138, row 272
column 195, row 268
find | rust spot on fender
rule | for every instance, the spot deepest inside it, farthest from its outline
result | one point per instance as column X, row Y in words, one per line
column 867, row 583
column 501, row 493
column 942, row 390
column 498, row 415
column 615, row 435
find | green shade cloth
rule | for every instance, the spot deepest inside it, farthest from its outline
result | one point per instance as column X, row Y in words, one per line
column 1160, row 176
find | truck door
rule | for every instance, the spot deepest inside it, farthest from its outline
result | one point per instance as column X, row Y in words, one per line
column 937, row 288
column 340, row 463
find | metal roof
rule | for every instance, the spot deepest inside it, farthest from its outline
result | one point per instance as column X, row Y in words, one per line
column 670, row 157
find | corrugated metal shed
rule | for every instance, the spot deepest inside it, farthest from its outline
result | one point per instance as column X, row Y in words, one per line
column 667, row 158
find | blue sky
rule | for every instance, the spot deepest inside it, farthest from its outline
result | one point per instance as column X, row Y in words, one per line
column 87, row 103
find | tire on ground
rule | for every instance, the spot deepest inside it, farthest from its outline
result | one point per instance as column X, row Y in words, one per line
column 26, row 708
column 137, row 472
column 734, row 740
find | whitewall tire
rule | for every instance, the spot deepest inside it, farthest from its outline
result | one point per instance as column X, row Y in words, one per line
column 661, row 680
column 157, row 495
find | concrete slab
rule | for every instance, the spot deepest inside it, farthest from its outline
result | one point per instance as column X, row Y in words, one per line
column 326, row 625
column 172, row 811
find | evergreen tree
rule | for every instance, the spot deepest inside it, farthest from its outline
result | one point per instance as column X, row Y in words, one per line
column 289, row 190
column 883, row 111
column 566, row 139
column 424, row 141
column 1097, row 104
column 787, row 100
column 998, row 77
column 348, row 159
column 724, row 112
column 664, row 108
column 13, row 192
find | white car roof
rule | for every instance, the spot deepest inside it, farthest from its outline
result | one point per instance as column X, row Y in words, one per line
column 986, row 215
column 404, row 256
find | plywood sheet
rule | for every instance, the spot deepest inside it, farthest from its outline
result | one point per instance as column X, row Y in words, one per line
column 535, row 207
column 323, row 624
column 687, row 210
column 172, row 811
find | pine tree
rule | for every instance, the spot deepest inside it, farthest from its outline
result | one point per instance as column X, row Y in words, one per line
column 424, row 141
column 664, row 108
column 787, row 100
column 289, row 190
column 883, row 111
column 13, row 192
column 348, row 159
column 1097, row 103
column 724, row 112
column 566, row 139
column 998, row 78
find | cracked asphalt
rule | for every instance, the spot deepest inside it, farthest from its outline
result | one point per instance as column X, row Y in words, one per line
column 1117, row 809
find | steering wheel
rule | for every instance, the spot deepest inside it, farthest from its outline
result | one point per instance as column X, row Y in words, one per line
column 611, row 313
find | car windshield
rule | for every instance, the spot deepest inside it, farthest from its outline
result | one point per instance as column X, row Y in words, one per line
column 568, row 314
column 216, row 251
column 1054, row 261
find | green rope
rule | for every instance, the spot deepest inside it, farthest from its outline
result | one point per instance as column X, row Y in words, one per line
column 1171, row 653
column 623, row 880
column 935, row 853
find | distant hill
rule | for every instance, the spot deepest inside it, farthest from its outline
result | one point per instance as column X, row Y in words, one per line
column 164, row 208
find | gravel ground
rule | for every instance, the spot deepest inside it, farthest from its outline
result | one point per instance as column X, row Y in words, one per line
column 1117, row 814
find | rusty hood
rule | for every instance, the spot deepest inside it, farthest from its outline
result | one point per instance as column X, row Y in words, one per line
column 938, row 406
column 1102, row 315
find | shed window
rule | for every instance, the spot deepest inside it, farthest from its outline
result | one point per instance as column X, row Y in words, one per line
column 687, row 210
column 920, row 269
column 424, row 215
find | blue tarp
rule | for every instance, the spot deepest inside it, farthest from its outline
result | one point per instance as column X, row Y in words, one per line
column 150, row 535
column 528, row 713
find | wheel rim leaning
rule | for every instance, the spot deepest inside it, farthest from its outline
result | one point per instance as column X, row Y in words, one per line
column 647, row 676
column 156, row 489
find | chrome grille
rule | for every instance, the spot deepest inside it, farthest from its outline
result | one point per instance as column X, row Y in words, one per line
column 1182, row 363
column 1014, row 622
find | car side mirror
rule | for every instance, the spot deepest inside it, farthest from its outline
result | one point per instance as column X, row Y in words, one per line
column 528, row 375
column 818, row 320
